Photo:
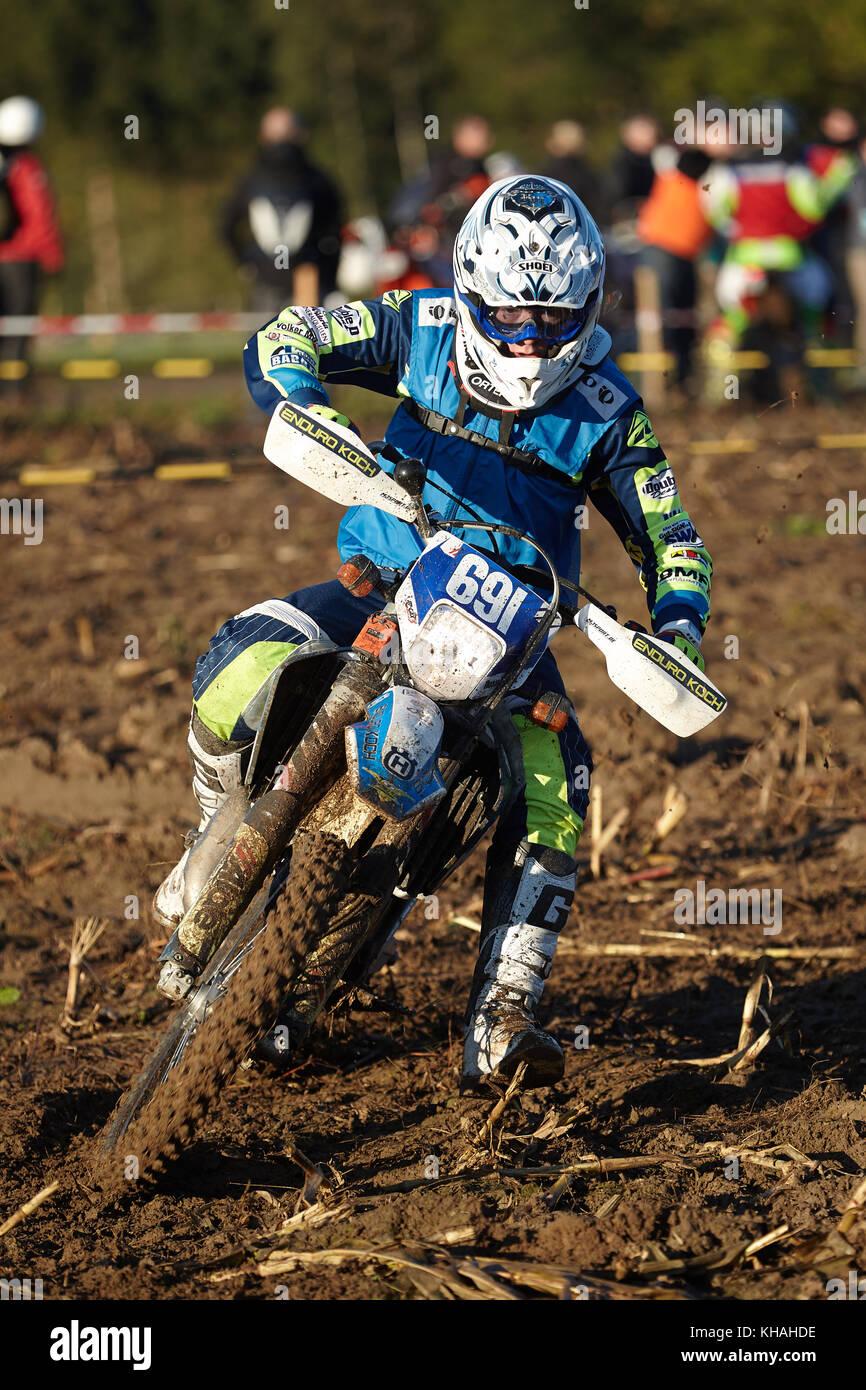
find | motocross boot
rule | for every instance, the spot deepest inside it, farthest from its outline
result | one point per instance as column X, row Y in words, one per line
column 218, row 769
column 526, row 904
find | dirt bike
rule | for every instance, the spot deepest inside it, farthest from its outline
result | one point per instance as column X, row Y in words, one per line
column 375, row 771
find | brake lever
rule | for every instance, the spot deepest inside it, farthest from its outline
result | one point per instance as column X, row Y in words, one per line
column 387, row 451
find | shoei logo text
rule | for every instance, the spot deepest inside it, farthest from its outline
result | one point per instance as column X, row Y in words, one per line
column 695, row 686
column 740, row 126
column 320, row 435
column 77, row 1343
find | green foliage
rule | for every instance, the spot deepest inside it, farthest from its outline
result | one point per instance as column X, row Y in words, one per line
column 9, row 995
column 199, row 73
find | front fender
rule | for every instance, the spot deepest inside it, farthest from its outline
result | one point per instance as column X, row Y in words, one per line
column 392, row 754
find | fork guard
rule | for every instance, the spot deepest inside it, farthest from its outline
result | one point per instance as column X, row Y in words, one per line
column 262, row 837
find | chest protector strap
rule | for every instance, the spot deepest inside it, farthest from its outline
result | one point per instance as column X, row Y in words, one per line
column 530, row 464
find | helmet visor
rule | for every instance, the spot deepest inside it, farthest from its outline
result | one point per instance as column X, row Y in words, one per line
column 514, row 323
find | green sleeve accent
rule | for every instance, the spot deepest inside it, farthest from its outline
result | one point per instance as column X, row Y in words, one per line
column 358, row 343
column 288, row 353
column 392, row 299
column 344, row 337
column 661, row 514
column 682, row 565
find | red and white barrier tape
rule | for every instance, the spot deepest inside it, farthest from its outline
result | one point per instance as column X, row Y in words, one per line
column 84, row 325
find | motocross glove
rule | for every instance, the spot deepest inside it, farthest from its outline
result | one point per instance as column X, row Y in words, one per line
column 686, row 638
column 328, row 413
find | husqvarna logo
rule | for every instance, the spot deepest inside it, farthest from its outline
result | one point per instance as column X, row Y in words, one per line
column 399, row 764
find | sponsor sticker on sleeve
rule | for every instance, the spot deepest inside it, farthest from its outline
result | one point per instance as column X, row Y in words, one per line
column 432, row 313
column 293, row 357
column 659, row 485
column 297, row 330
column 349, row 319
column 317, row 320
column 680, row 533
column 392, row 299
column 641, row 434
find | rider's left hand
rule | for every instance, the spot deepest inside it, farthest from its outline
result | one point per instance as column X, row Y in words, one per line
column 328, row 413
column 676, row 639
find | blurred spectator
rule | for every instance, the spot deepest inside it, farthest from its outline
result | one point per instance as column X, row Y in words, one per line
column 30, row 241
column 623, row 190
column 632, row 172
column 674, row 230
column 767, row 206
column 565, row 144
column 283, row 220
column 463, row 164
column 838, row 132
column 856, row 262
column 426, row 215
column 503, row 164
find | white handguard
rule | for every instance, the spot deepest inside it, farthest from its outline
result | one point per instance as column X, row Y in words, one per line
column 332, row 460
column 656, row 675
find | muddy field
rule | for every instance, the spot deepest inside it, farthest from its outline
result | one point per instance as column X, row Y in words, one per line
column 94, row 801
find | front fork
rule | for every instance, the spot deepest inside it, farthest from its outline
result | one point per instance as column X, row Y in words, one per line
column 262, row 837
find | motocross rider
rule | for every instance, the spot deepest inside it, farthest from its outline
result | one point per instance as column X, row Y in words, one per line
column 507, row 394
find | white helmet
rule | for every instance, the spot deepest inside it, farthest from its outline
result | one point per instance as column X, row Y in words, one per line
column 528, row 242
column 21, row 121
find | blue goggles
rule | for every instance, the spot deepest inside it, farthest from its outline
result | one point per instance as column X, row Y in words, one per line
column 519, row 322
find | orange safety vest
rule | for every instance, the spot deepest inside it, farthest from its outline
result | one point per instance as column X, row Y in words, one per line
column 672, row 217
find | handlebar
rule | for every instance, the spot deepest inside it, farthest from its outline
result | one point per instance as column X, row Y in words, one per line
column 410, row 474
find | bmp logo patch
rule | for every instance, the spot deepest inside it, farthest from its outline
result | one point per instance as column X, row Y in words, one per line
column 692, row 683
column 320, row 435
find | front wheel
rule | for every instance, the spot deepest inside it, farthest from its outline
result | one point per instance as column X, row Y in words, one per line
column 233, row 1005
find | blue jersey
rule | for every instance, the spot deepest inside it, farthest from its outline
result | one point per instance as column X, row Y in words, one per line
column 535, row 470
